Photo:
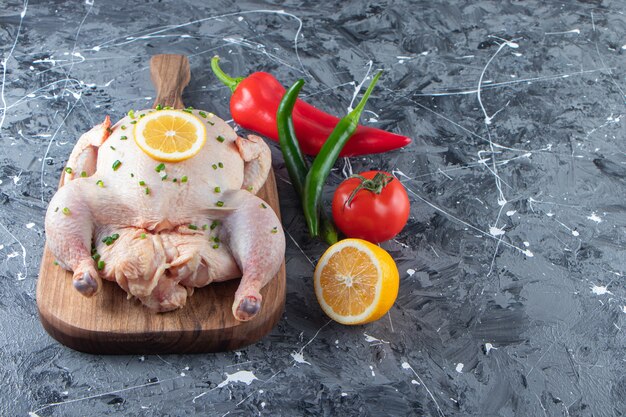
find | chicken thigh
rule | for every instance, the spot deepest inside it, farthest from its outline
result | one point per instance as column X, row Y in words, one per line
column 162, row 229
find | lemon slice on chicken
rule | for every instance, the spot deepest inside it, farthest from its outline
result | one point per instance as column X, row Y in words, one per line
column 170, row 135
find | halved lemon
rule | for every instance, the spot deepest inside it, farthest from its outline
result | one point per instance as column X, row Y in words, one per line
column 356, row 282
column 170, row 135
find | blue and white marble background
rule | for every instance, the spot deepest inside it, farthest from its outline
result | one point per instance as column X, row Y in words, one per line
column 512, row 298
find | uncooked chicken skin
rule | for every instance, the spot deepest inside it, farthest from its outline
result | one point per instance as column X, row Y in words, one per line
column 161, row 233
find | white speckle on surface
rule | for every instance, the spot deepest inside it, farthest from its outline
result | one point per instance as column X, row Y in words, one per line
column 414, row 382
column 262, row 404
column 623, row 46
column 511, row 212
column 410, row 272
column 30, row 225
column 594, row 217
column 527, row 244
column 240, row 376
column 298, row 357
column 624, row 309
column 142, row 358
column 488, row 348
column 240, row 18
column 575, row 233
column 372, row 370
column 459, row 367
column 549, row 214
column 12, row 255
column 495, row 231
column 371, row 339
column 600, row 290
column 344, row 394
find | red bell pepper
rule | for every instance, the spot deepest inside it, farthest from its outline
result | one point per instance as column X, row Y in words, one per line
column 254, row 104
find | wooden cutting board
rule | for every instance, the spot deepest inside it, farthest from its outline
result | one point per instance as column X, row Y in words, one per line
column 108, row 323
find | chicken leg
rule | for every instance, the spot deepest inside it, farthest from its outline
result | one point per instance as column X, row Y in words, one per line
column 256, row 240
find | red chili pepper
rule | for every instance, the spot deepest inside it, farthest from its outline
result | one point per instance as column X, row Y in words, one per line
column 254, row 104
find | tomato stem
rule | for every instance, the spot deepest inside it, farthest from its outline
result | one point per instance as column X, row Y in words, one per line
column 375, row 185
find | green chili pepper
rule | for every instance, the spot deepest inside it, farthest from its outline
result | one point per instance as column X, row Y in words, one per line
column 294, row 159
column 327, row 157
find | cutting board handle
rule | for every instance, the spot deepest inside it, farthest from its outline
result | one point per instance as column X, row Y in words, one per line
column 170, row 75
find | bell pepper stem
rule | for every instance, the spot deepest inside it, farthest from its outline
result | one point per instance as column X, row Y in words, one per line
column 226, row 79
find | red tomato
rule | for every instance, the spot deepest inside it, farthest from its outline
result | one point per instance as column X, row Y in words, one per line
column 369, row 215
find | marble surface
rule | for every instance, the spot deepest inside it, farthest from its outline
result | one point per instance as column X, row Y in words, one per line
column 512, row 299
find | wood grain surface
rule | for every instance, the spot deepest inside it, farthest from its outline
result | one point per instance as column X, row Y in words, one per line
column 109, row 323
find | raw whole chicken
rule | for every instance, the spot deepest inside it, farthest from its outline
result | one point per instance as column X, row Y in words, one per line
column 162, row 229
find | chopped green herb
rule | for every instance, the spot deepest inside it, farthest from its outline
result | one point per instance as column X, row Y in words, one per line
column 184, row 179
column 56, row 209
column 193, row 227
column 93, row 249
column 132, row 175
column 210, row 122
column 220, row 138
column 164, row 177
column 115, row 236
column 216, row 239
column 217, row 189
column 250, row 188
column 160, row 167
column 214, row 224
column 108, row 240
column 216, row 245
column 188, row 108
column 275, row 229
column 100, row 183
column 263, row 205
column 66, row 211
column 205, row 226
column 220, row 204
column 142, row 183
column 123, row 127
column 174, row 180
column 83, row 174
column 159, row 107
column 101, row 265
column 131, row 113
column 142, row 115
column 68, row 170
column 124, row 138
column 109, row 130
column 143, row 235
column 167, row 108
column 55, row 262
column 132, row 122
column 219, row 164
column 96, row 257
column 112, row 147
column 214, row 166
column 147, row 190
column 116, row 165
column 187, row 111
column 203, row 114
